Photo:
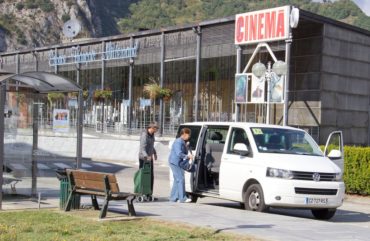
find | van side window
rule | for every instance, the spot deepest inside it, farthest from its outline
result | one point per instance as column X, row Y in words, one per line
column 238, row 135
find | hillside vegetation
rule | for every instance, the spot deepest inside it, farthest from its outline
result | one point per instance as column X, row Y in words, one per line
column 33, row 23
column 148, row 14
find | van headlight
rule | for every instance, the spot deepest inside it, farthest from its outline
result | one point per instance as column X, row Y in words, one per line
column 279, row 173
column 338, row 177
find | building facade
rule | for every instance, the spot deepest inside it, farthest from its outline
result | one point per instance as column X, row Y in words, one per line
column 329, row 78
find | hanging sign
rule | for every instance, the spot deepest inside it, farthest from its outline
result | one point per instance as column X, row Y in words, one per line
column 262, row 26
column 113, row 51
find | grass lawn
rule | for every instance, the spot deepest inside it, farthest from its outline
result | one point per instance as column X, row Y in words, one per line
column 83, row 225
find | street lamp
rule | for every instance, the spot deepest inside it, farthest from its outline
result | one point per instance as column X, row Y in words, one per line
column 260, row 70
column 279, row 68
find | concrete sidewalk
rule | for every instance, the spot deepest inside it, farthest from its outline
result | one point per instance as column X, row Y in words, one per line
column 352, row 221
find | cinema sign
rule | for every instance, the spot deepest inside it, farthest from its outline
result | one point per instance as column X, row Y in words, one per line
column 262, row 26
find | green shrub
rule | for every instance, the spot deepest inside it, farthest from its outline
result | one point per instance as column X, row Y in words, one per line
column 65, row 17
column 30, row 4
column 7, row 22
column 19, row 6
column 46, row 5
column 357, row 170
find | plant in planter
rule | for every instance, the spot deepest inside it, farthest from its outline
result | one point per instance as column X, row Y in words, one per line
column 85, row 94
column 102, row 95
column 20, row 97
column 165, row 93
column 55, row 96
column 152, row 89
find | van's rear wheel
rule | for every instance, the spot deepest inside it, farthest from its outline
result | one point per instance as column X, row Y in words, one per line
column 324, row 214
column 254, row 200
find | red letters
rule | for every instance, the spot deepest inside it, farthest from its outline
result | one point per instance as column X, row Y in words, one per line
column 252, row 27
column 261, row 23
column 239, row 29
column 280, row 32
column 270, row 22
column 261, row 26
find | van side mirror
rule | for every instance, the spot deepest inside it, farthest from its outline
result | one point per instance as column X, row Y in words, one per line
column 335, row 154
column 241, row 149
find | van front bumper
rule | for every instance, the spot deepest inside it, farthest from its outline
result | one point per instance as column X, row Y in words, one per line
column 303, row 194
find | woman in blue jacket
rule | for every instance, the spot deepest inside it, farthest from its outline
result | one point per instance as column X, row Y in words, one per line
column 179, row 154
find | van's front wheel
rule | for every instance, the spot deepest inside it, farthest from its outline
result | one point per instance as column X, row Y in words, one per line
column 324, row 214
column 254, row 200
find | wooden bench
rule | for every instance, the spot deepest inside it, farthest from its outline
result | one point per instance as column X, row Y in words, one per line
column 97, row 184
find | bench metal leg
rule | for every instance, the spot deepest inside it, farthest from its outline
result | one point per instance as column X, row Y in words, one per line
column 130, row 207
column 103, row 211
column 95, row 202
column 69, row 202
column 12, row 187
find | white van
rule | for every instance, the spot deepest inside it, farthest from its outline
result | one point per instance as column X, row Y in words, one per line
column 264, row 166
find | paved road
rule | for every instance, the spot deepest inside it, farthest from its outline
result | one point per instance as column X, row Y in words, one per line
column 352, row 221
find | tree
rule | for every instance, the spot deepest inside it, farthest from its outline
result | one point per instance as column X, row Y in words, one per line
column 148, row 14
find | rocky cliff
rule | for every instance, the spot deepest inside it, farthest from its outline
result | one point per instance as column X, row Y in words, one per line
column 33, row 23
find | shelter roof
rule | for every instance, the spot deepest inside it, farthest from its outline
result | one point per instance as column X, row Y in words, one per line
column 43, row 82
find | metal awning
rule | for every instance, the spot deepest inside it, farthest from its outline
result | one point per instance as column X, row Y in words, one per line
column 43, row 82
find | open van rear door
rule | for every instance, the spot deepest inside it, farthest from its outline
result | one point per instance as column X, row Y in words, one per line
column 334, row 149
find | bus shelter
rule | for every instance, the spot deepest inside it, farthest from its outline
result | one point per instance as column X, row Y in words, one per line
column 39, row 83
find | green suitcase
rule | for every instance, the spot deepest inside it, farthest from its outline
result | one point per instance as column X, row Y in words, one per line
column 143, row 180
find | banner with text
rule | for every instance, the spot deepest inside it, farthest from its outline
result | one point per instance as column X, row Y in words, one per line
column 262, row 26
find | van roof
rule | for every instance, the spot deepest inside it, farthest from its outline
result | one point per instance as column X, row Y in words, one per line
column 244, row 124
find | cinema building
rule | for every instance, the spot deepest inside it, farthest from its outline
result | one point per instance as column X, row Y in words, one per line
column 328, row 75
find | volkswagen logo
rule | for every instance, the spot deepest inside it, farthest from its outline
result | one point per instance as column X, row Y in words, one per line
column 316, row 177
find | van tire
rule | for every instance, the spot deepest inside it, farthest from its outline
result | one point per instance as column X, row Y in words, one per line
column 323, row 214
column 254, row 200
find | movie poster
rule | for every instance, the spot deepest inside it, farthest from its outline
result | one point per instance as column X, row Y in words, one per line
column 258, row 89
column 60, row 120
column 241, row 88
column 277, row 88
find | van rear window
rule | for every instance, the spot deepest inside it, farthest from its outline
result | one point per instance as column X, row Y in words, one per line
column 195, row 130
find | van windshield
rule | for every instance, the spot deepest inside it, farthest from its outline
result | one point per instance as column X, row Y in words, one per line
column 285, row 141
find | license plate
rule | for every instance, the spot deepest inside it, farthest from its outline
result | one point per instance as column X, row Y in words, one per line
column 312, row 200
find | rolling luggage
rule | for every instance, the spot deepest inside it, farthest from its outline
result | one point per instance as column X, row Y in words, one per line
column 143, row 183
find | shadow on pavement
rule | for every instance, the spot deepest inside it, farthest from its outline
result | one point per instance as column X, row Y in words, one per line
column 123, row 210
column 341, row 216
column 244, row 227
column 345, row 216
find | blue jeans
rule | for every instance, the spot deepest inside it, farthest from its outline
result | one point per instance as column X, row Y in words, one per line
column 178, row 186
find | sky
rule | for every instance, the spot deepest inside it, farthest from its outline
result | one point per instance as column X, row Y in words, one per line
column 364, row 5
